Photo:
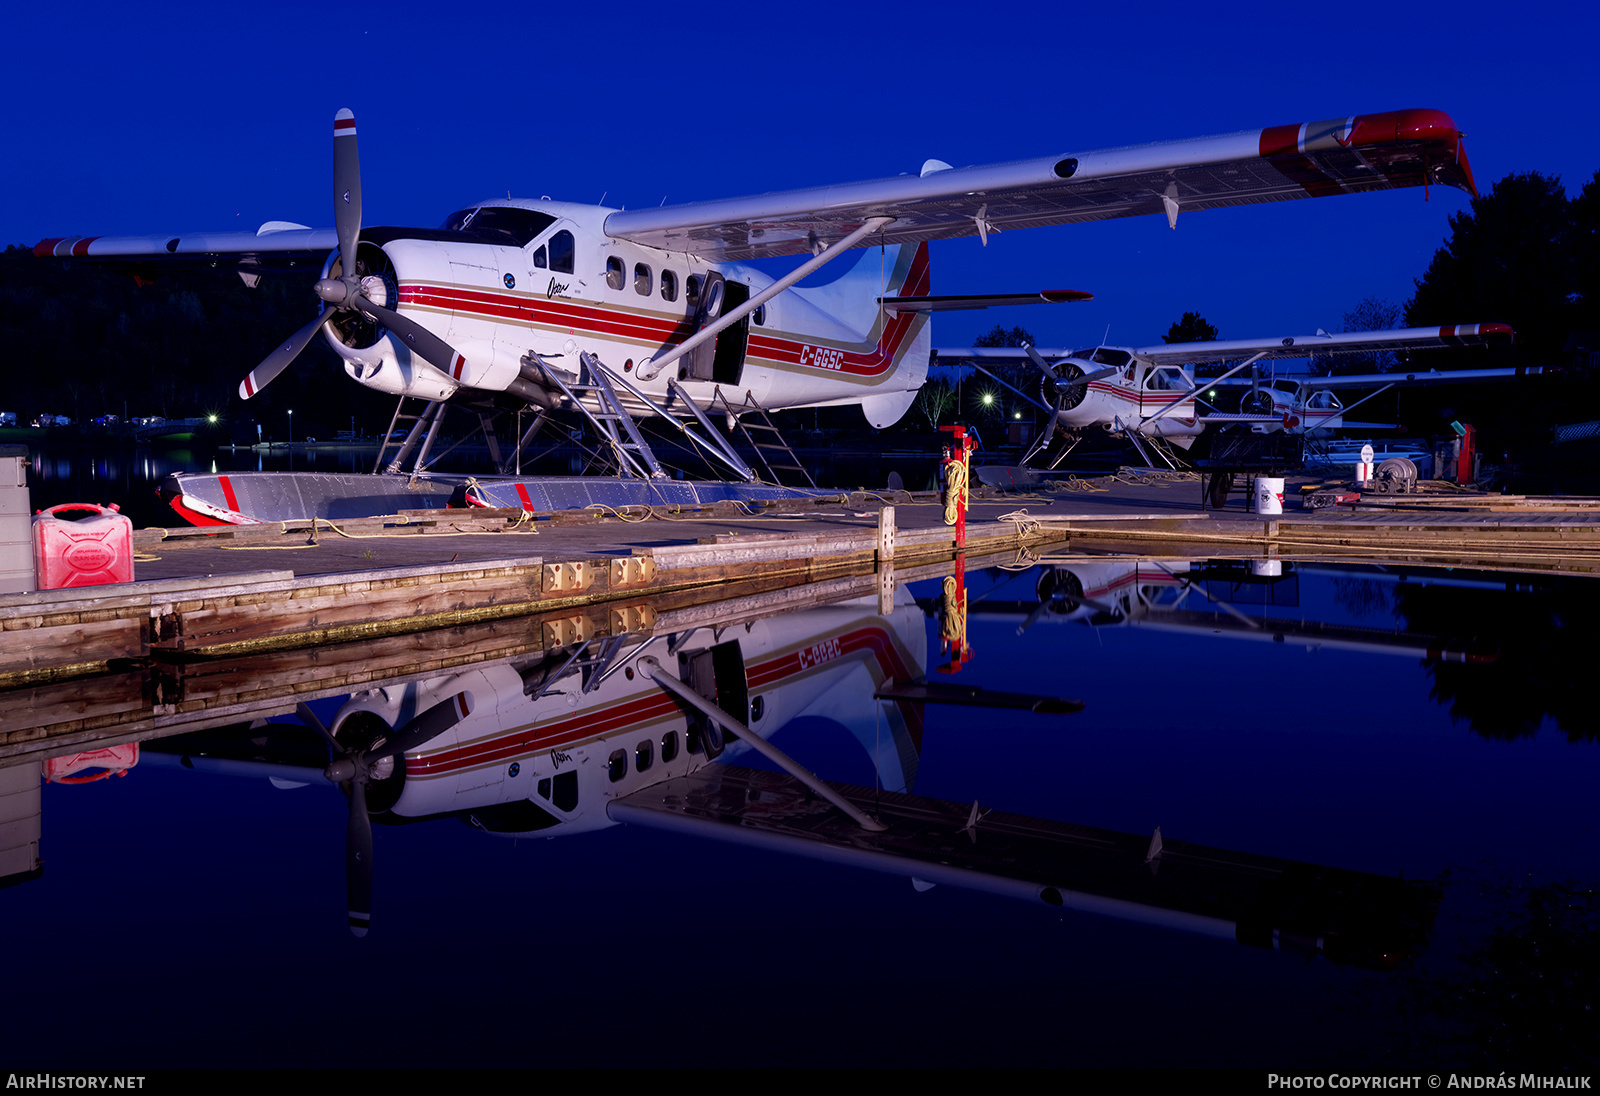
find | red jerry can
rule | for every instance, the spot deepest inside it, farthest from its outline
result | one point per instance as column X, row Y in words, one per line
column 90, row 552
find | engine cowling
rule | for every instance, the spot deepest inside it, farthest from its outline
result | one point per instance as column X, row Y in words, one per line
column 1061, row 385
column 378, row 283
column 1264, row 401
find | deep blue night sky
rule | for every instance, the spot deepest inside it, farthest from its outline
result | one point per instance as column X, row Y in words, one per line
column 203, row 117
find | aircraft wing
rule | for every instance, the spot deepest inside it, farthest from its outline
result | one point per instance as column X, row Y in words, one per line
column 1311, row 160
column 276, row 245
column 1369, row 380
column 1323, row 344
column 982, row 300
column 996, row 353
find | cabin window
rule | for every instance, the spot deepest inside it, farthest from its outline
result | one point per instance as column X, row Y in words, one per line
column 617, row 765
column 566, row 797
column 692, row 291
column 642, row 280
column 1167, row 380
column 544, row 788
column 614, row 272
column 540, row 260
column 643, row 756
column 669, row 746
column 669, row 286
column 562, row 252
column 760, row 315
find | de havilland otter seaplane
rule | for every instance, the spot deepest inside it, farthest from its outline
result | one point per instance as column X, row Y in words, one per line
column 1144, row 394
column 616, row 314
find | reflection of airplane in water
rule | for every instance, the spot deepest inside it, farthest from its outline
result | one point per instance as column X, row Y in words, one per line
column 590, row 735
column 1201, row 597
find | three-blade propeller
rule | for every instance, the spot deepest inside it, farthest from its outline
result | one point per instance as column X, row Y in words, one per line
column 353, row 768
column 1069, row 388
column 346, row 293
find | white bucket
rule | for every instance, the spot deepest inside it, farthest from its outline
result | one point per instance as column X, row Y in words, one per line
column 1266, row 568
column 1269, row 494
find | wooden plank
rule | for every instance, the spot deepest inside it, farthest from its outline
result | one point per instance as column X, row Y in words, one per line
column 76, row 644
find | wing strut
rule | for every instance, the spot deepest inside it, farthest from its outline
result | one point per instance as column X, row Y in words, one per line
column 1365, row 398
column 1191, row 393
column 651, row 367
column 651, row 669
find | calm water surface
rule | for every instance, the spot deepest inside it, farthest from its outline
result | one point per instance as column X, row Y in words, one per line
column 189, row 918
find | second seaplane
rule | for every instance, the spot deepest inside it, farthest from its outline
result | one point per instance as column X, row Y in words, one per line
column 1147, row 393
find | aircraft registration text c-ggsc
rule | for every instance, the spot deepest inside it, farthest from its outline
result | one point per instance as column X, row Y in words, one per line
column 821, row 357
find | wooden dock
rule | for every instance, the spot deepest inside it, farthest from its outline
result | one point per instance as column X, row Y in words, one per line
column 247, row 620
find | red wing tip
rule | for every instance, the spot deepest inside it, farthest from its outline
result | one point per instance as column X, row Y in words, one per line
column 1066, row 295
column 46, row 248
column 1497, row 330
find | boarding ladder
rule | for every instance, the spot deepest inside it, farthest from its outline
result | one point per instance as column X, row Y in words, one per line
column 751, row 419
column 614, row 424
column 602, row 384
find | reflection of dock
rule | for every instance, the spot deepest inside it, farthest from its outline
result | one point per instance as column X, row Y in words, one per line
column 204, row 592
column 169, row 691
column 1350, row 917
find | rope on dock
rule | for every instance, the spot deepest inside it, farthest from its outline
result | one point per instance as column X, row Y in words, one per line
column 1154, row 477
column 1073, row 483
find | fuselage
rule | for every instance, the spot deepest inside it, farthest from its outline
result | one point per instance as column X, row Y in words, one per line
column 1158, row 400
column 1154, row 400
column 518, row 287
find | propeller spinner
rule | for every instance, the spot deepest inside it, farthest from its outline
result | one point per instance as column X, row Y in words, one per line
column 347, row 293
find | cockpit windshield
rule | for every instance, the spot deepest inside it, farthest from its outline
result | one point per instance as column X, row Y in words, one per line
column 498, row 224
column 1104, row 355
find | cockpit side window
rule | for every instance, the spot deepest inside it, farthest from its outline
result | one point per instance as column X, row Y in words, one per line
column 562, row 249
column 1167, row 380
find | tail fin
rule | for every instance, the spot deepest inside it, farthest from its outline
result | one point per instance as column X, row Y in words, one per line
column 905, row 339
column 876, row 272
